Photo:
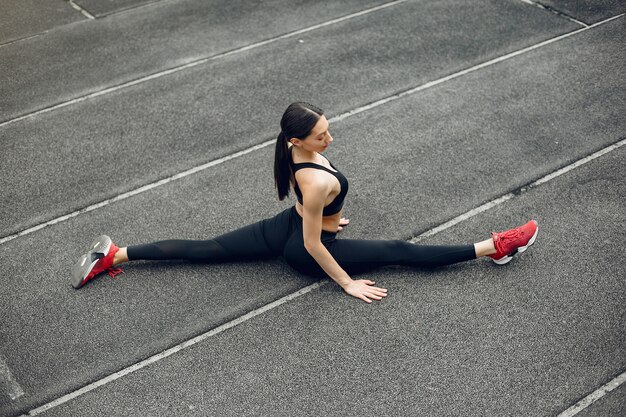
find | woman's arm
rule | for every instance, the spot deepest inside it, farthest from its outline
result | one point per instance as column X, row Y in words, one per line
column 314, row 194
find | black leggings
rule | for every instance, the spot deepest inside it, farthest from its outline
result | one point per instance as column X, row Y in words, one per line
column 281, row 235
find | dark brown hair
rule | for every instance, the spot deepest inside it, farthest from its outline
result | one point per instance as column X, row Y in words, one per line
column 297, row 122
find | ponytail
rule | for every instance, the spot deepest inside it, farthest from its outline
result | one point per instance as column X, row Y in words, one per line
column 282, row 170
column 297, row 122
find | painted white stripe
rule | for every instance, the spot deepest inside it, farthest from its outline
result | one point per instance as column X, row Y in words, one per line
column 176, row 348
column 509, row 196
column 9, row 385
column 472, row 69
column 579, row 163
column 473, row 212
column 199, row 62
column 2, row 45
column 594, row 396
column 358, row 110
column 136, row 191
column 80, row 9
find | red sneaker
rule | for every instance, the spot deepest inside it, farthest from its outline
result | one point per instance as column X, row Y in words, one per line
column 513, row 241
column 97, row 260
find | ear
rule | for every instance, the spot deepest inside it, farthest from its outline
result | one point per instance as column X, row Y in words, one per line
column 295, row 141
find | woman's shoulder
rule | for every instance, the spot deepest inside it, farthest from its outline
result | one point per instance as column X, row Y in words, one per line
column 311, row 174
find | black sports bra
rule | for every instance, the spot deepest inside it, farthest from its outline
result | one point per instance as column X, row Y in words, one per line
column 335, row 206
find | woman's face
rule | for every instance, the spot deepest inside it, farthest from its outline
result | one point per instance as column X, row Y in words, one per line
column 318, row 140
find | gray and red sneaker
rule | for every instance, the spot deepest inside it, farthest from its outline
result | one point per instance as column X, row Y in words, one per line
column 513, row 241
column 97, row 260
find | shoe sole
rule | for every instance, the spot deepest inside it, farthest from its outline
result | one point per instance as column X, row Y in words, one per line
column 508, row 258
column 98, row 250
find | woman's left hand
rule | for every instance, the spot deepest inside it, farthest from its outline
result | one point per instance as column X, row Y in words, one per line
column 342, row 223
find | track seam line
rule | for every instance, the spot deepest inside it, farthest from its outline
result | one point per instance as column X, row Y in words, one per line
column 197, row 62
column 594, row 396
column 343, row 116
column 45, row 31
column 132, row 8
column 555, row 11
column 168, row 352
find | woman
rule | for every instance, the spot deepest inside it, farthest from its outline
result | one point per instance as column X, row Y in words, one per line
column 305, row 234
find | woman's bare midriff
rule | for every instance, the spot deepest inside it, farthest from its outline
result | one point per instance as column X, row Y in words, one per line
column 329, row 223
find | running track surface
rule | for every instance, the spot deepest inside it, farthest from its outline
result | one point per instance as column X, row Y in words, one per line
column 153, row 120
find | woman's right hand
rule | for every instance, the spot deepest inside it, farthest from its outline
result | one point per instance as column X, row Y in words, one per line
column 364, row 289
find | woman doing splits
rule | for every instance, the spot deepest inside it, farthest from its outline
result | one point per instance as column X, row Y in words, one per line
column 305, row 235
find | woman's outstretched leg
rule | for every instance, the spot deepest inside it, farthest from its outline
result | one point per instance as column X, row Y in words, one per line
column 357, row 256
column 104, row 255
column 259, row 240
column 188, row 250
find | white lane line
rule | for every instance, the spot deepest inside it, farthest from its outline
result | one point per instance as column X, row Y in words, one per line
column 9, row 385
column 340, row 117
column 80, row 9
column 2, row 45
column 579, row 163
column 555, row 11
column 298, row 293
column 199, row 62
column 176, row 348
column 461, row 218
column 594, row 396
column 472, row 69
column 509, row 196
column 137, row 191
